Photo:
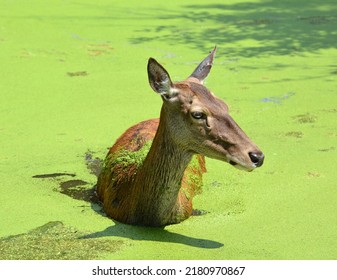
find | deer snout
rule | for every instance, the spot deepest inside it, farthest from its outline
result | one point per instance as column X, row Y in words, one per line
column 257, row 158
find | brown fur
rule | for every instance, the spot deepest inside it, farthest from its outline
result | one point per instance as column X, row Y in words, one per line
column 115, row 183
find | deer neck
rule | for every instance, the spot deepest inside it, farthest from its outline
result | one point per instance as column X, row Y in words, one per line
column 159, row 180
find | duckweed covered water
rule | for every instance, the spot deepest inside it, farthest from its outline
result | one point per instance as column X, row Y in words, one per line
column 55, row 241
column 73, row 78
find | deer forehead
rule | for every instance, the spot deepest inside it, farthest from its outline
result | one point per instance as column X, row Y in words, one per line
column 197, row 97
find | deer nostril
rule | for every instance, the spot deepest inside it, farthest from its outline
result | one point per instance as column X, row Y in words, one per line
column 256, row 158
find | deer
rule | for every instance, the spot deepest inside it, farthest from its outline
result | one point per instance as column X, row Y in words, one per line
column 154, row 169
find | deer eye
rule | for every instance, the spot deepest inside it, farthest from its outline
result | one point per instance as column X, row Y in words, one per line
column 198, row 115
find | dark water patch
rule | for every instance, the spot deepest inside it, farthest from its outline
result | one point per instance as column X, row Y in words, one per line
column 75, row 188
column 334, row 110
column 198, row 212
column 77, row 74
column 327, row 149
column 78, row 189
column 215, row 184
column 55, row 241
column 53, row 175
column 318, row 19
column 278, row 99
column 262, row 21
column 94, row 164
column 313, row 174
column 305, row 118
column 296, row 134
column 72, row 184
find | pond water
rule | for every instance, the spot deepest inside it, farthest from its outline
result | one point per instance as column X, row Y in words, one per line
column 73, row 78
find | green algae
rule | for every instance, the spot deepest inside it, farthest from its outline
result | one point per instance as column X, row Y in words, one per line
column 194, row 177
column 124, row 158
column 55, row 241
column 74, row 78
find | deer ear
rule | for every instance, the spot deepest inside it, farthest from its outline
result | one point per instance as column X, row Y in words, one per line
column 203, row 69
column 159, row 79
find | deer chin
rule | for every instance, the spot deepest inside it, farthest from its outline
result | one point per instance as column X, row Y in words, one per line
column 240, row 166
column 232, row 160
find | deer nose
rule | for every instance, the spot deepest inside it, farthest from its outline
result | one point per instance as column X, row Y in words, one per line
column 257, row 158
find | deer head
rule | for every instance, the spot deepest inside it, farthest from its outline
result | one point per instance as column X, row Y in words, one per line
column 199, row 122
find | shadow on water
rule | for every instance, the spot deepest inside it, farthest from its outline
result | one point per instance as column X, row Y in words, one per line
column 153, row 234
column 248, row 28
column 242, row 28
